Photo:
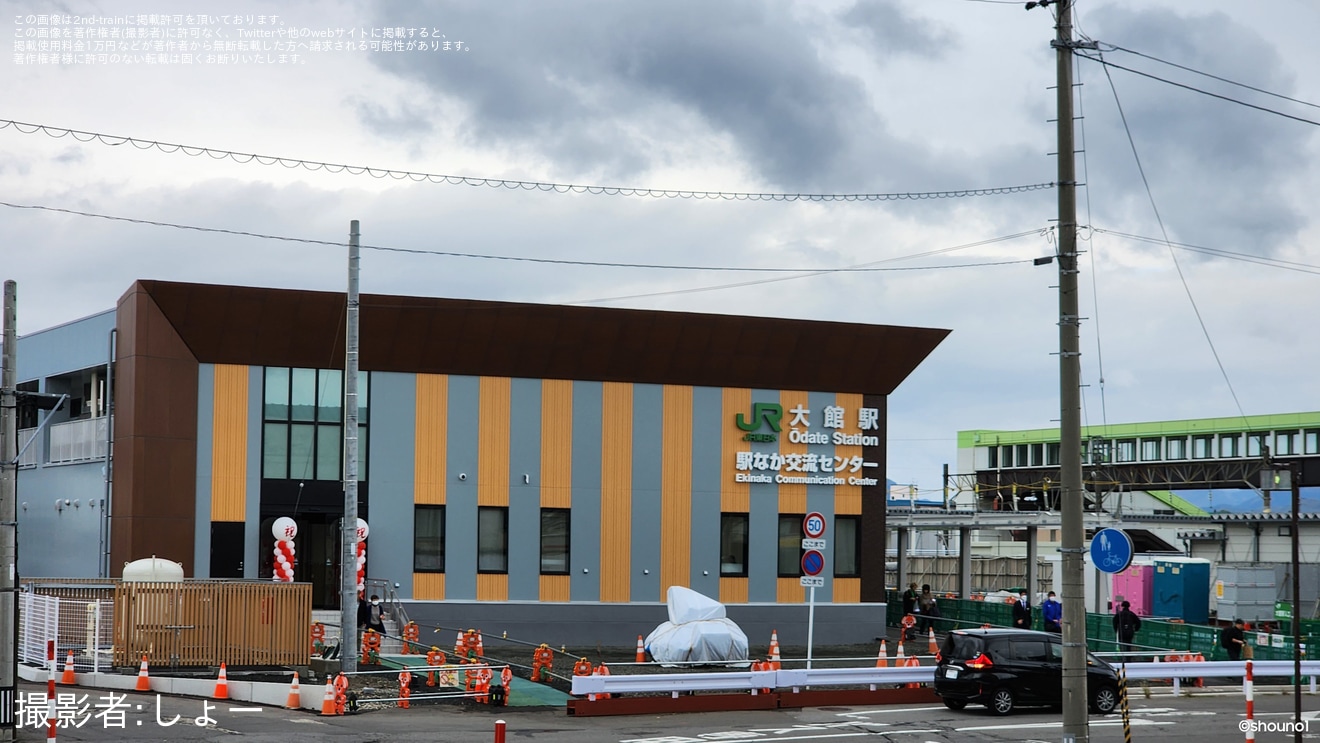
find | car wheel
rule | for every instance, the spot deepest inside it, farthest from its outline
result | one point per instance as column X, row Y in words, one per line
column 1104, row 700
column 1001, row 702
column 955, row 704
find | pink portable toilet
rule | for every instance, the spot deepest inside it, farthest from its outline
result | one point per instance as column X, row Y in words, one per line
column 1134, row 585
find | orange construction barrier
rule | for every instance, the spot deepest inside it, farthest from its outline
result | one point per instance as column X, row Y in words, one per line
column 221, row 685
column 906, row 624
column 601, row 670
column 411, row 634
column 405, row 689
column 370, row 647
column 483, row 685
column 328, row 705
column 318, row 638
column 506, row 680
column 143, row 681
column 641, row 650
column 434, row 657
column 882, row 660
column 911, row 662
column 294, row 700
column 68, row 677
column 582, row 667
column 543, row 659
column 472, row 644
column 341, row 693
column 1198, row 682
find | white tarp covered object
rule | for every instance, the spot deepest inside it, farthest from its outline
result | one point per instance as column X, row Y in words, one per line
column 697, row 631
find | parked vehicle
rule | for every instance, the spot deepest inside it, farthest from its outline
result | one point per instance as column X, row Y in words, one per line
column 1009, row 668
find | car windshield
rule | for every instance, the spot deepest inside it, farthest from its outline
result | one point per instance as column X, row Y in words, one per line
column 958, row 646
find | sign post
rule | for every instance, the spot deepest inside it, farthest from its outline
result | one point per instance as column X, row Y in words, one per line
column 813, row 562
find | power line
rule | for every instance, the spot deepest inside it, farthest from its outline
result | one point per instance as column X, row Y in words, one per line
column 1172, row 254
column 1219, row 252
column 114, row 140
column 1252, row 88
column 1107, row 64
column 861, row 268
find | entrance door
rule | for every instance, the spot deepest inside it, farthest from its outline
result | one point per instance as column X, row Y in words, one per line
column 227, row 549
column 318, row 561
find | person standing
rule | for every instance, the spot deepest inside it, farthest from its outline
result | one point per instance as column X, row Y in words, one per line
column 1126, row 625
column 1232, row 639
column 1052, row 613
column 1022, row 612
column 930, row 609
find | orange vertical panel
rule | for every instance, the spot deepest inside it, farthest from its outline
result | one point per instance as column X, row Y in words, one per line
column 789, row 591
column 735, row 497
column 848, row 498
column 793, row 496
column 847, row 590
column 556, row 446
column 676, row 489
column 229, row 422
column 428, row 586
column 432, row 427
column 616, row 491
column 492, row 587
column 493, row 442
column 733, row 590
column 554, row 587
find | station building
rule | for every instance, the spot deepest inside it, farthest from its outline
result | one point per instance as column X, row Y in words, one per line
column 508, row 452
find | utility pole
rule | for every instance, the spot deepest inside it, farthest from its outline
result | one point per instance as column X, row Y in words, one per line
column 9, row 516
column 348, row 599
column 1296, row 472
column 1070, row 415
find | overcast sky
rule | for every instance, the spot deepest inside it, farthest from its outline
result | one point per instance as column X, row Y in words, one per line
column 737, row 95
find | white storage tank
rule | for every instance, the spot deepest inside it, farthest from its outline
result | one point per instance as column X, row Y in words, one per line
column 153, row 569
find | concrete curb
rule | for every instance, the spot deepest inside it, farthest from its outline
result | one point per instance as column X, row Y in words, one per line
column 257, row 692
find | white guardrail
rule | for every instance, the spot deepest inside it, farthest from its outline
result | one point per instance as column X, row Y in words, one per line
column 872, row 677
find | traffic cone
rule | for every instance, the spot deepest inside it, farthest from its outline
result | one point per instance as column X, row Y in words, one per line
column 68, row 678
column 221, row 685
column 143, row 681
column 481, row 647
column 899, row 656
column 911, row 662
column 774, row 637
column 774, row 655
column 295, row 694
column 882, row 660
column 328, row 701
column 641, row 650
column 933, row 647
column 458, row 645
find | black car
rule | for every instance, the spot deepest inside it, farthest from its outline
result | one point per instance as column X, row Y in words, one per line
column 1008, row 668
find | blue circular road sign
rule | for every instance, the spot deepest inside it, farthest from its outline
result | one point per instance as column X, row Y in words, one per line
column 812, row 562
column 1111, row 550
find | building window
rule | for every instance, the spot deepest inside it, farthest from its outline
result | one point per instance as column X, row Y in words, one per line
column 1177, row 446
column 1230, row 445
column 1052, row 454
column 1037, row 455
column 1256, row 443
column 846, row 547
column 1021, row 456
column 1006, row 456
column 1150, row 450
column 554, row 541
column 993, row 462
column 733, row 545
column 1125, row 450
column 1312, row 441
column 790, row 545
column 1100, row 451
column 1203, row 447
column 303, row 431
column 492, row 539
column 1285, row 442
column 428, row 539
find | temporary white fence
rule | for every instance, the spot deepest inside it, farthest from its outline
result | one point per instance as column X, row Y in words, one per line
column 873, row 677
column 80, row 625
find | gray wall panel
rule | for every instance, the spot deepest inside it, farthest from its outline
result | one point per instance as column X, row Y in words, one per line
column 76, row 345
column 584, row 554
column 61, row 543
column 461, row 495
column 763, row 523
column 205, row 427
column 821, row 497
column 392, row 436
column 647, row 465
column 707, row 406
column 524, row 490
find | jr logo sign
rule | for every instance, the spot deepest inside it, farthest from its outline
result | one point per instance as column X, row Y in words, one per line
column 763, row 413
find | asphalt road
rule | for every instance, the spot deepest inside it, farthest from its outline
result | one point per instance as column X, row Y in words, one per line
column 1205, row 718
